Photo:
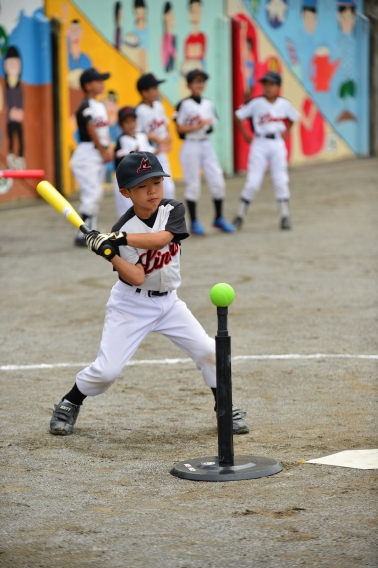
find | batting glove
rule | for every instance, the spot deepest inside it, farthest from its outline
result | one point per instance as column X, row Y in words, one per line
column 100, row 244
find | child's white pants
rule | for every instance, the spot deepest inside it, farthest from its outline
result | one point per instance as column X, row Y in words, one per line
column 89, row 168
column 197, row 154
column 130, row 316
column 261, row 152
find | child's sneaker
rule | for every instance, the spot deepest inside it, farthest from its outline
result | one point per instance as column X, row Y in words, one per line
column 285, row 223
column 196, row 228
column 240, row 426
column 64, row 418
column 222, row 224
column 237, row 223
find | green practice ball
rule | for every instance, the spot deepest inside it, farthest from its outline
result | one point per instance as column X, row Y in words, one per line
column 222, row 295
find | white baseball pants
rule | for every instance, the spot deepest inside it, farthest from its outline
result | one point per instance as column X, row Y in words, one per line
column 263, row 151
column 169, row 185
column 88, row 168
column 122, row 203
column 130, row 316
column 197, row 154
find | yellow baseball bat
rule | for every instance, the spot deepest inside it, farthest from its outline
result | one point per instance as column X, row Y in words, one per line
column 62, row 206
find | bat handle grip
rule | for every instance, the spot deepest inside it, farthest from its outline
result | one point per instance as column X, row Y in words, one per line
column 85, row 229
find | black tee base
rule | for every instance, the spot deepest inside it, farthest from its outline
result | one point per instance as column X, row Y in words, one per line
column 208, row 468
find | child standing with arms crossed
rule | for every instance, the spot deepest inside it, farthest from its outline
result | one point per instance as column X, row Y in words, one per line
column 195, row 117
column 269, row 116
column 145, row 251
column 152, row 120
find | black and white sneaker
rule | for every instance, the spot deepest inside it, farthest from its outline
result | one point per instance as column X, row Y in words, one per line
column 64, row 417
column 237, row 223
column 285, row 223
column 240, row 426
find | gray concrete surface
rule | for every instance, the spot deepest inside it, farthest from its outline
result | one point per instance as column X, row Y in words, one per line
column 104, row 497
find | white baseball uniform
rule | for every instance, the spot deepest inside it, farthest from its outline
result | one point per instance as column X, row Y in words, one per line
column 86, row 163
column 131, row 313
column 125, row 145
column 196, row 151
column 153, row 120
column 268, row 145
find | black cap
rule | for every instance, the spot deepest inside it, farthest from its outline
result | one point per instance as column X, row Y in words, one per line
column 137, row 167
column 271, row 77
column 92, row 74
column 196, row 73
column 126, row 111
column 147, row 81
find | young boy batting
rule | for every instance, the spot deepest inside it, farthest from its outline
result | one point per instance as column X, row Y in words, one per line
column 88, row 162
column 152, row 120
column 194, row 119
column 130, row 141
column 272, row 118
column 145, row 251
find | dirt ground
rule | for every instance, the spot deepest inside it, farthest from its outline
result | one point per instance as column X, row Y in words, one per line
column 103, row 497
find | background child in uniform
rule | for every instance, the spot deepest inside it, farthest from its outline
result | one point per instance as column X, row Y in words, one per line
column 272, row 117
column 94, row 149
column 130, row 141
column 145, row 251
column 194, row 118
column 152, row 120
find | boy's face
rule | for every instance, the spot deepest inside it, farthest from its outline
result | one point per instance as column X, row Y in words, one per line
column 146, row 196
column 309, row 21
column 128, row 125
column 347, row 19
column 270, row 90
column 94, row 88
column 12, row 66
column 197, row 86
column 150, row 95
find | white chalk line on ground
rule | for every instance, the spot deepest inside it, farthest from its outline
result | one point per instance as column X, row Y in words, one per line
column 285, row 357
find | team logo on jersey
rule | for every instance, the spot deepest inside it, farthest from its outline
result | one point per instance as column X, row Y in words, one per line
column 155, row 260
column 144, row 165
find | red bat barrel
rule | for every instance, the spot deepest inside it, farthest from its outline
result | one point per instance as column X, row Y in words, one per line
column 22, row 174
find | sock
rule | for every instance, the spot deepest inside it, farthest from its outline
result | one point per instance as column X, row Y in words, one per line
column 243, row 208
column 75, row 396
column 218, row 208
column 215, row 397
column 284, row 208
column 192, row 210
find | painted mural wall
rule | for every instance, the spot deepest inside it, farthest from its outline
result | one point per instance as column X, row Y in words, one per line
column 135, row 36
column 26, row 110
column 321, row 49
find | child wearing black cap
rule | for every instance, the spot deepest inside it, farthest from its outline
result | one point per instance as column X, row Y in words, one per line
column 94, row 149
column 271, row 118
column 152, row 120
column 145, row 250
column 130, row 141
column 194, row 119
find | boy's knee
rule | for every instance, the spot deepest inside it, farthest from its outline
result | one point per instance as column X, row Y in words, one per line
column 97, row 378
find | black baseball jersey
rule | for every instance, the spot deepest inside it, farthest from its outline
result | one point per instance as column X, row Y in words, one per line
column 94, row 111
column 161, row 267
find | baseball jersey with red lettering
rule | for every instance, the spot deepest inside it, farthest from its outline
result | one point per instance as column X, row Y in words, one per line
column 161, row 267
column 266, row 117
column 194, row 110
column 93, row 111
column 152, row 120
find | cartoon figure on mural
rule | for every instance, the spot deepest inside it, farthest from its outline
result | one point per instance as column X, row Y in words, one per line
column 15, row 108
column 346, row 16
column 135, row 44
column 118, row 21
column 168, row 47
column 309, row 16
column 322, row 69
column 276, row 12
column 248, row 61
column 195, row 43
column 77, row 60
